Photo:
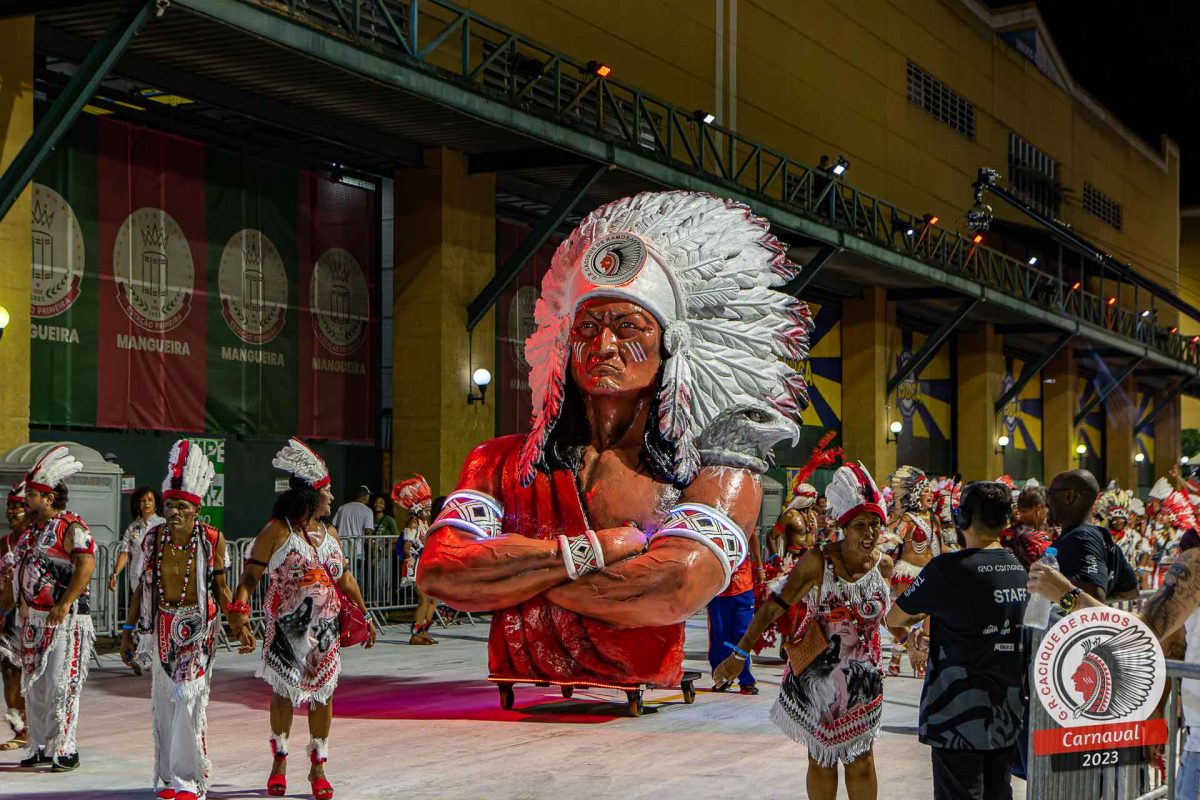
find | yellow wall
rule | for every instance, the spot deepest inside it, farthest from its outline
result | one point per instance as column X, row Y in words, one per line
column 1189, row 290
column 815, row 77
column 16, row 114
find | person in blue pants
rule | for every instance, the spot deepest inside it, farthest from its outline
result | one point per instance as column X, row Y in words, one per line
column 729, row 615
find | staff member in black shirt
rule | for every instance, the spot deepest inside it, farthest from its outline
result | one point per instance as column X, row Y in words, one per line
column 1087, row 554
column 972, row 703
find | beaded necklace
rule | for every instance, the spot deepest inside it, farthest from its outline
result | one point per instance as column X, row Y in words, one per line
column 861, row 608
column 165, row 541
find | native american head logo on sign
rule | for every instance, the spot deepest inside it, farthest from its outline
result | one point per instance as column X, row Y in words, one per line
column 340, row 302
column 152, row 265
column 253, row 286
column 58, row 253
column 1099, row 665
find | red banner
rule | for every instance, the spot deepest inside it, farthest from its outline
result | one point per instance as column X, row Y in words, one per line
column 1109, row 736
column 151, row 331
column 336, row 245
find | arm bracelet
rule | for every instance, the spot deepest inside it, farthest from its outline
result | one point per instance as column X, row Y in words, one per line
column 737, row 650
column 711, row 528
column 476, row 513
column 236, row 607
column 128, row 627
column 581, row 554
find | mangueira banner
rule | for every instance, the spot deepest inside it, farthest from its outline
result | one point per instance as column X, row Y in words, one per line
column 181, row 287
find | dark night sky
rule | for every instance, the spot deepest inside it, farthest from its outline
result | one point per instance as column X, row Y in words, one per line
column 1142, row 62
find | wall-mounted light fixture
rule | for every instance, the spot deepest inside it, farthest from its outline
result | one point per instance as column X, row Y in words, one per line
column 480, row 378
column 1139, row 457
column 1002, row 441
column 894, row 431
column 5, row 317
column 1080, row 451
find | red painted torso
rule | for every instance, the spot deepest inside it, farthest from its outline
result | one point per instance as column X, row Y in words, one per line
column 539, row 640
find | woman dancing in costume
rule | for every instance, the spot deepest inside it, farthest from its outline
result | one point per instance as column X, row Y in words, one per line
column 835, row 704
column 303, row 561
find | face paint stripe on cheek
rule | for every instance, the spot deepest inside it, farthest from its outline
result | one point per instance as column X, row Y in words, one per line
column 635, row 351
column 579, row 348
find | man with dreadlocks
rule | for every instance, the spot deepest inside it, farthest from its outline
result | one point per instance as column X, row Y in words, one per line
column 919, row 535
column 659, row 387
column 55, row 559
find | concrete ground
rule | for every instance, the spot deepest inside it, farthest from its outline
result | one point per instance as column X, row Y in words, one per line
column 420, row 722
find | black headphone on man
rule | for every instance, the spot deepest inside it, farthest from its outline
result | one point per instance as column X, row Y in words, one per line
column 962, row 513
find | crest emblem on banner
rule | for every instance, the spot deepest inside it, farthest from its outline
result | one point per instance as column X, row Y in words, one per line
column 58, row 254
column 908, row 392
column 253, row 285
column 340, row 302
column 152, row 265
column 1099, row 665
column 521, row 325
column 1012, row 407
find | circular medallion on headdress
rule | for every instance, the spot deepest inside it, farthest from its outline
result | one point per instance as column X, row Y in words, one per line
column 614, row 259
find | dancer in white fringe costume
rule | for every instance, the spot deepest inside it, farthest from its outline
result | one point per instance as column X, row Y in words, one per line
column 835, row 704
column 303, row 560
column 54, row 562
column 178, row 589
column 10, row 640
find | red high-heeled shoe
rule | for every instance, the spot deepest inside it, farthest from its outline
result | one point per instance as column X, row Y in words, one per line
column 321, row 788
column 166, row 794
column 277, row 783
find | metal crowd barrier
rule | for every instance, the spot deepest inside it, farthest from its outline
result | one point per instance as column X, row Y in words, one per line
column 371, row 559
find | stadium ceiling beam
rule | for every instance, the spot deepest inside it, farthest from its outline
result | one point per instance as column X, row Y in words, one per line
column 1162, row 403
column 809, row 271
column 509, row 160
column 547, row 225
column 247, row 104
column 923, row 293
column 1102, row 392
column 63, row 112
column 413, row 79
column 1032, row 369
column 1024, row 328
column 931, row 345
column 24, row 8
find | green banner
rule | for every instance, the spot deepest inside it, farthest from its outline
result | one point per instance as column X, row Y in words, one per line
column 253, row 295
column 212, row 509
column 65, row 267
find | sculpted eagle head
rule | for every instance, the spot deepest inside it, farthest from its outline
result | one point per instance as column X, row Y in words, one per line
column 743, row 435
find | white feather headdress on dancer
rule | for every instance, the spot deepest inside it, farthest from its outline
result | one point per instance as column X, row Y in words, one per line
column 908, row 484
column 16, row 495
column 704, row 267
column 53, row 468
column 297, row 459
column 852, row 492
column 189, row 473
column 1161, row 488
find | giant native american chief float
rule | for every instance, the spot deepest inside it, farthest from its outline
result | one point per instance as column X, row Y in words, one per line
column 659, row 388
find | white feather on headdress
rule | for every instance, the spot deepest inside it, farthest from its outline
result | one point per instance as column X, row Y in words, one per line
column 1160, row 489
column 704, row 267
column 17, row 493
column 852, row 491
column 1113, row 502
column 53, row 468
column 300, row 461
column 189, row 473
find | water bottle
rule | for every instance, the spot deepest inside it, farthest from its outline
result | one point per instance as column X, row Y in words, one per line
column 1037, row 610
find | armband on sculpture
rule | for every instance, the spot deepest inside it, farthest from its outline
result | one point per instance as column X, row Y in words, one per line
column 581, row 554
column 474, row 512
column 711, row 528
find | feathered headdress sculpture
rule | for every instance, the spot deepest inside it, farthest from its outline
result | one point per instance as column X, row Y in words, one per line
column 53, row 468
column 189, row 473
column 805, row 494
column 704, row 268
column 16, row 495
column 852, row 492
column 302, row 463
column 413, row 495
column 908, row 483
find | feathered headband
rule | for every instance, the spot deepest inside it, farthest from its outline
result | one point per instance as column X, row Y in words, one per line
column 1114, row 503
column 852, row 492
column 704, row 268
column 908, row 483
column 189, row 473
column 413, row 494
column 53, row 468
column 16, row 495
column 301, row 462
column 1179, row 508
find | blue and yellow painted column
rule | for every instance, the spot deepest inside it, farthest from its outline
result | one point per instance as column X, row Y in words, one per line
column 1060, row 403
column 16, row 113
column 865, row 369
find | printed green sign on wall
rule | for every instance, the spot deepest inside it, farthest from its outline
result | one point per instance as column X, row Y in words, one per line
column 212, row 509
